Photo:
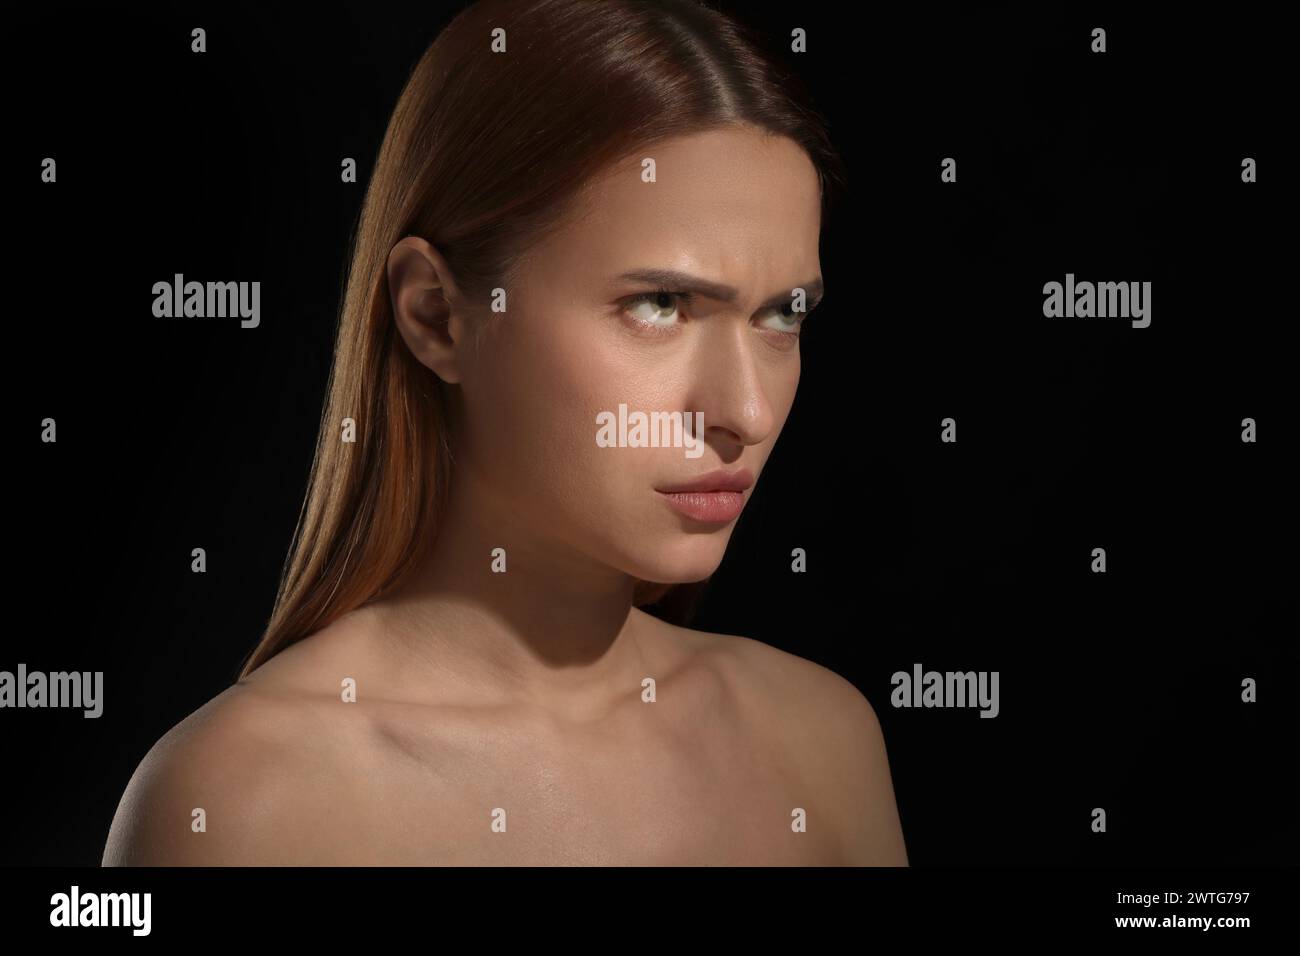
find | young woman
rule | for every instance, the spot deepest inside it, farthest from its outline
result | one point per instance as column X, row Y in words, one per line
column 580, row 211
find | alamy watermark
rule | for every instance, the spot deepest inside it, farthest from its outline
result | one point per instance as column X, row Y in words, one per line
column 946, row 689
column 103, row 909
column 1101, row 300
column 179, row 299
column 77, row 689
column 651, row 430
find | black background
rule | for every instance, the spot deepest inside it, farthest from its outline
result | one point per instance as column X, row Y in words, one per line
column 1118, row 690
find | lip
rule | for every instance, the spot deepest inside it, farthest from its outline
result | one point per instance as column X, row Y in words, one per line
column 719, row 480
column 715, row 498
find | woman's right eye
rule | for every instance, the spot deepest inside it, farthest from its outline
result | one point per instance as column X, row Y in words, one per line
column 655, row 312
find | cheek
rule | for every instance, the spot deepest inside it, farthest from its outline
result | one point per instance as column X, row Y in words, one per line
column 784, row 385
column 531, row 409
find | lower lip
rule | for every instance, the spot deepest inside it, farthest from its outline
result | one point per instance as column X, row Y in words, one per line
column 717, row 507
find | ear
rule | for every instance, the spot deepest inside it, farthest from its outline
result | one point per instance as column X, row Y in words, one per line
column 425, row 299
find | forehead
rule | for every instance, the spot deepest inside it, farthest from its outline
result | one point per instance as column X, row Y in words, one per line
column 729, row 204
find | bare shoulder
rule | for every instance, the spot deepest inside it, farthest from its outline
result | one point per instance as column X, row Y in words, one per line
column 771, row 680
column 828, row 729
column 247, row 779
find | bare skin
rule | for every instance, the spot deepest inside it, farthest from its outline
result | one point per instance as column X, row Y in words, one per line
column 741, row 734
column 517, row 697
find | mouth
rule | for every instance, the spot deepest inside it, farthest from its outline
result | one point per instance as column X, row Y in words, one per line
column 715, row 498
column 712, row 507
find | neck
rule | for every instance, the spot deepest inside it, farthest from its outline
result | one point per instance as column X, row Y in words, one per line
column 555, row 629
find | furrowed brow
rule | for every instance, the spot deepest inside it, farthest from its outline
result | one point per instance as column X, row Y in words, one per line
column 684, row 282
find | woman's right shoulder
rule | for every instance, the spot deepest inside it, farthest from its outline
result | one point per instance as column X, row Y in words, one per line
column 231, row 784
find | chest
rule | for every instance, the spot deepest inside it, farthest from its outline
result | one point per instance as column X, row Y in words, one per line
column 605, row 796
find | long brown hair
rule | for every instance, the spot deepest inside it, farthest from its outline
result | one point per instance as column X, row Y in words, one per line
column 484, row 149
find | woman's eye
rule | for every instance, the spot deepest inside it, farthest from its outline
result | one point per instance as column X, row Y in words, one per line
column 659, row 313
column 655, row 309
column 785, row 319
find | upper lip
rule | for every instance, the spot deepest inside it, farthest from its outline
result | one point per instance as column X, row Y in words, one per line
column 719, row 480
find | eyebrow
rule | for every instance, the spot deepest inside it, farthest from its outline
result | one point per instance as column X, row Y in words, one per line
column 684, row 282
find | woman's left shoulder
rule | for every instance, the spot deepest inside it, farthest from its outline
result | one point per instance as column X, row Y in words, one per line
column 829, row 732
column 803, row 688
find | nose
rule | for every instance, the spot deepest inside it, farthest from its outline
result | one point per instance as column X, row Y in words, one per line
column 729, row 385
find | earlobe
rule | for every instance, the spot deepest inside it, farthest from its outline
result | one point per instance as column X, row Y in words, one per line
column 422, row 293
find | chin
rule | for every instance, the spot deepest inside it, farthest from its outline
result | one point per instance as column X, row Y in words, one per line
column 682, row 558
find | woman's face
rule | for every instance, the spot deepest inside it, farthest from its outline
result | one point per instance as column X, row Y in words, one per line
column 735, row 209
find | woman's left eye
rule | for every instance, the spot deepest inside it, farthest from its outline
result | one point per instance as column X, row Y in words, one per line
column 787, row 320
